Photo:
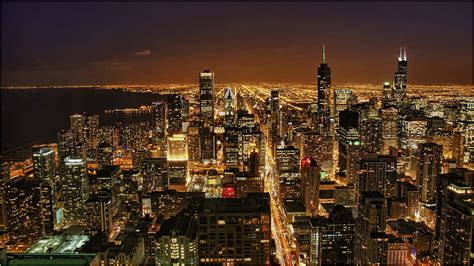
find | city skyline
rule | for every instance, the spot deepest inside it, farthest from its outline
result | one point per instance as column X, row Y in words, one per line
column 278, row 42
column 213, row 171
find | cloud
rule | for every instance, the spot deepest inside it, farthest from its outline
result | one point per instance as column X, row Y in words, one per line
column 143, row 52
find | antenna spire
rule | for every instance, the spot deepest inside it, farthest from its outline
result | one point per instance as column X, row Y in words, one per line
column 400, row 57
column 324, row 54
column 405, row 54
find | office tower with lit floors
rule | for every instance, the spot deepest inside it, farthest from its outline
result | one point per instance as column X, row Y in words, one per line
column 457, row 223
column 350, row 148
column 323, row 103
column 400, row 80
column 310, row 178
column 159, row 124
column 178, row 164
column 174, row 114
column 75, row 191
column 44, row 168
column 288, row 173
column 229, row 106
column 177, row 241
column 235, row 230
column 332, row 239
column 155, row 174
column 207, row 142
column 429, row 167
column 371, row 240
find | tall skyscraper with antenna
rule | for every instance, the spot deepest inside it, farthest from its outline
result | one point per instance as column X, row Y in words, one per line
column 324, row 85
column 207, row 144
column 400, row 82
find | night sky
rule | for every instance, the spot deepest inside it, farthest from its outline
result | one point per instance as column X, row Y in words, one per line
column 153, row 43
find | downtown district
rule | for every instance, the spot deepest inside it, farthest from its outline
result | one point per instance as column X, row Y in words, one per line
column 245, row 175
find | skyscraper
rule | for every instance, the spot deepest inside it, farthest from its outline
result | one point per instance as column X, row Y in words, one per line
column 275, row 114
column 229, row 106
column 310, row 177
column 175, row 114
column 75, row 190
column 235, row 230
column 177, row 161
column 324, row 86
column 288, row 172
column 378, row 173
column 400, row 83
column 206, row 99
column 457, row 223
column 177, row 241
column 387, row 98
column 155, row 174
column 105, row 154
column 389, row 129
column 159, row 124
column 371, row 240
column 24, row 215
column 206, row 116
column 342, row 101
column 350, row 148
column 43, row 165
column 332, row 239
column 429, row 167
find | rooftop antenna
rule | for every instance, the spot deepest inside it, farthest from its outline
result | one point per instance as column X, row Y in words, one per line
column 405, row 54
column 324, row 54
column 400, row 56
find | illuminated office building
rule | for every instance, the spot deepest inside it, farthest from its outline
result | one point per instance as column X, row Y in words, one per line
column 177, row 242
column 105, row 154
column 456, row 224
column 372, row 139
column 342, row 101
column 332, row 239
column 413, row 132
column 206, row 116
column 275, row 117
column 69, row 145
column 400, row 80
column 232, row 136
column 324, row 105
column 310, row 178
column 350, row 148
column 75, row 191
column 466, row 119
column 177, row 158
column 371, row 240
column 174, row 114
column 453, row 176
column 100, row 215
column 387, row 98
column 235, row 230
column 288, row 172
column 155, row 174
column 159, row 124
column 378, row 173
column 389, row 129
column 319, row 147
column 26, row 210
column 229, row 106
column 429, row 167
column 206, row 99
column 207, row 145
column 43, row 165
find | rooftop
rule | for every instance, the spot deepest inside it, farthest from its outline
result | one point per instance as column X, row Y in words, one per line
column 256, row 203
column 58, row 244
